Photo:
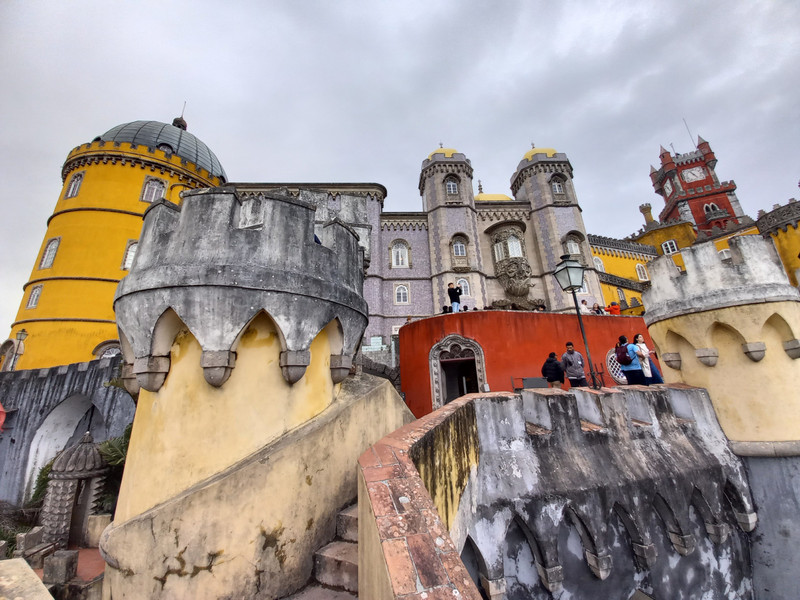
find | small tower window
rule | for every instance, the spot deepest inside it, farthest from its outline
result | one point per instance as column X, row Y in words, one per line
column 451, row 186
column 558, row 186
column 459, row 249
column 130, row 254
column 598, row 264
column 399, row 255
column 621, row 295
column 33, row 299
column 74, row 185
column 669, row 247
column 464, row 285
column 401, row 294
column 572, row 247
column 711, row 207
column 49, row 253
column 641, row 271
column 514, row 247
column 153, row 190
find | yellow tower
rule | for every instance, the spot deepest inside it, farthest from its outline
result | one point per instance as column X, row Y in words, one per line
column 66, row 314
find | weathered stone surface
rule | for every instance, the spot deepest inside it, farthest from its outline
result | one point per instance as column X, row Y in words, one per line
column 17, row 580
column 347, row 523
column 336, row 565
column 61, row 566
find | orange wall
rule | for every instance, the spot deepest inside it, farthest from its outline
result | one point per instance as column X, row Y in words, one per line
column 515, row 344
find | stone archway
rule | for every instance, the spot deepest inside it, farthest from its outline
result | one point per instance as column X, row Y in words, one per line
column 63, row 427
column 453, row 349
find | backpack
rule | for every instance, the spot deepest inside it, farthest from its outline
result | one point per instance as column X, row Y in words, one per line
column 623, row 357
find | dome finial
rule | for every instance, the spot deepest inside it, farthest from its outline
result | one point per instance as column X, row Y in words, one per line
column 480, row 187
column 533, row 145
column 441, row 145
column 179, row 122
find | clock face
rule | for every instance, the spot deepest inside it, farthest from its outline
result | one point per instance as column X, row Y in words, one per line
column 668, row 187
column 694, row 174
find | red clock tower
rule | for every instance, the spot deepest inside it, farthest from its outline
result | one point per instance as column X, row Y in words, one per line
column 692, row 192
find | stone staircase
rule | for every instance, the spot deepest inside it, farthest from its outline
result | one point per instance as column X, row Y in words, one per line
column 336, row 565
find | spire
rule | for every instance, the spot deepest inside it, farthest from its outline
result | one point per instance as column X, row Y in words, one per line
column 652, row 169
column 700, row 140
column 480, row 187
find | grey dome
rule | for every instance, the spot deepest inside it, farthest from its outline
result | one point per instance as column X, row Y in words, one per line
column 154, row 134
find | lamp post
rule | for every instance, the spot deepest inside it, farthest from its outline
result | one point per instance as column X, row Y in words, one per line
column 21, row 335
column 569, row 274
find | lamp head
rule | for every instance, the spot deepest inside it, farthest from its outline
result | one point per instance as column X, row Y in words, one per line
column 569, row 274
column 21, row 335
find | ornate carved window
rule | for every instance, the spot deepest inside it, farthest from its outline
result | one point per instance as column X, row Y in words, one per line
column 74, row 185
column 401, row 294
column 669, row 247
column 33, row 299
column 464, row 285
column 130, row 254
column 153, row 189
column 49, row 253
column 400, row 255
column 641, row 271
column 598, row 264
column 453, row 347
column 510, row 264
column 458, row 251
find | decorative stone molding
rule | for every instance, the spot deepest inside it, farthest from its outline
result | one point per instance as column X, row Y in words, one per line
column 504, row 215
column 616, row 281
column 340, row 367
column 626, row 246
column 781, row 217
column 453, row 346
column 514, row 275
column 755, row 351
column 707, row 356
column 195, row 264
column 672, row 360
column 792, row 348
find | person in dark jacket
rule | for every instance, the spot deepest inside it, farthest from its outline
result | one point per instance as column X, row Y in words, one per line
column 553, row 371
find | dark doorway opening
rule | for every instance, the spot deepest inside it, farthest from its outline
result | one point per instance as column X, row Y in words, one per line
column 460, row 377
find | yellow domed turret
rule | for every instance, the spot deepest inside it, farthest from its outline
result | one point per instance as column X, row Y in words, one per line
column 446, row 152
column 548, row 152
column 67, row 305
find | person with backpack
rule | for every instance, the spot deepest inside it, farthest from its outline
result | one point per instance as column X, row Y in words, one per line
column 572, row 361
column 628, row 358
column 553, row 372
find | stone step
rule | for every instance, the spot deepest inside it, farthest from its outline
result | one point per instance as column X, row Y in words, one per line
column 318, row 592
column 336, row 565
column 347, row 523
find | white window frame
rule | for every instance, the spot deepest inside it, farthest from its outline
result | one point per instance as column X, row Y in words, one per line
column 74, row 185
column 464, row 285
column 573, row 247
column 402, row 288
column 621, row 295
column 451, row 186
column 459, row 248
column 130, row 255
column 499, row 249
column 669, row 247
column 49, row 254
column 515, row 247
column 710, row 207
column 558, row 186
column 641, row 271
column 725, row 253
column 151, row 189
column 598, row 264
column 33, row 298
column 400, row 255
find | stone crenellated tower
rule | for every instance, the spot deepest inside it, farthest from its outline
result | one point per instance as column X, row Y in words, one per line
column 543, row 179
column 733, row 326
column 238, row 329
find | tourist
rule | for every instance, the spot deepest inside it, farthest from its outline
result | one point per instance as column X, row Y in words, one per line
column 651, row 374
column 553, row 372
column 572, row 362
column 613, row 309
column 585, row 310
column 455, row 297
column 597, row 309
column 628, row 356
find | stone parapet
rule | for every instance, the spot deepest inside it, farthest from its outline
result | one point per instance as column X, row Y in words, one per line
column 753, row 274
column 780, row 217
column 214, row 263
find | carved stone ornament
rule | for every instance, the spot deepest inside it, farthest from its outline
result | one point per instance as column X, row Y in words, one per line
column 514, row 275
column 672, row 360
column 792, row 348
column 755, row 351
column 707, row 356
column 453, row 346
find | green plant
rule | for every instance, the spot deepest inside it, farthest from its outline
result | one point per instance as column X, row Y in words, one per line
column 40, row 487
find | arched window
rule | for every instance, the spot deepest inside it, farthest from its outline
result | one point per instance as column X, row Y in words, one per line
column 33, row 299
column 399, row 255
column 153, row 190
column 725, row 253
column 669, row 247
column 572, row 246
column 499, row 251
column 621, row 295
column 514, row 247
column 641, row 271
column 49, row 253
column 598, row 264
column 710, row 207
column 459, row 248
column 451, row 185
column 74, row 185
column 130, row 254
column 107, row 349
column 558, row 186
column 401, row 294
column 464, row 285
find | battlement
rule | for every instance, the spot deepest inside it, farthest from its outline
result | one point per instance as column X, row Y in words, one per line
column 124, row 153
column 752, row 274
column 780, row 217
column 217, row 261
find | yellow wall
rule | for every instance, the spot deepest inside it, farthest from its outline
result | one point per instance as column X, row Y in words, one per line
column 746, row 394
column 622, row 264
column 75, row 310
column 787, row 243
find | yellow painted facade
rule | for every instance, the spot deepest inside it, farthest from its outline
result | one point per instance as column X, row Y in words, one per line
column 787, row 243
column 625, row 264
column 66, row 308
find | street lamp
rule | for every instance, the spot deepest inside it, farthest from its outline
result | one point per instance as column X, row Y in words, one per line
column 21, row 335
column 569, row 274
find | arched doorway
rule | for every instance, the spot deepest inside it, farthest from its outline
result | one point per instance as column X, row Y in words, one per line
column 457, row 368
column 63, row 427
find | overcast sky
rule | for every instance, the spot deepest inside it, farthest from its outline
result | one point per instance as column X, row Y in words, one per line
column 364, row 91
